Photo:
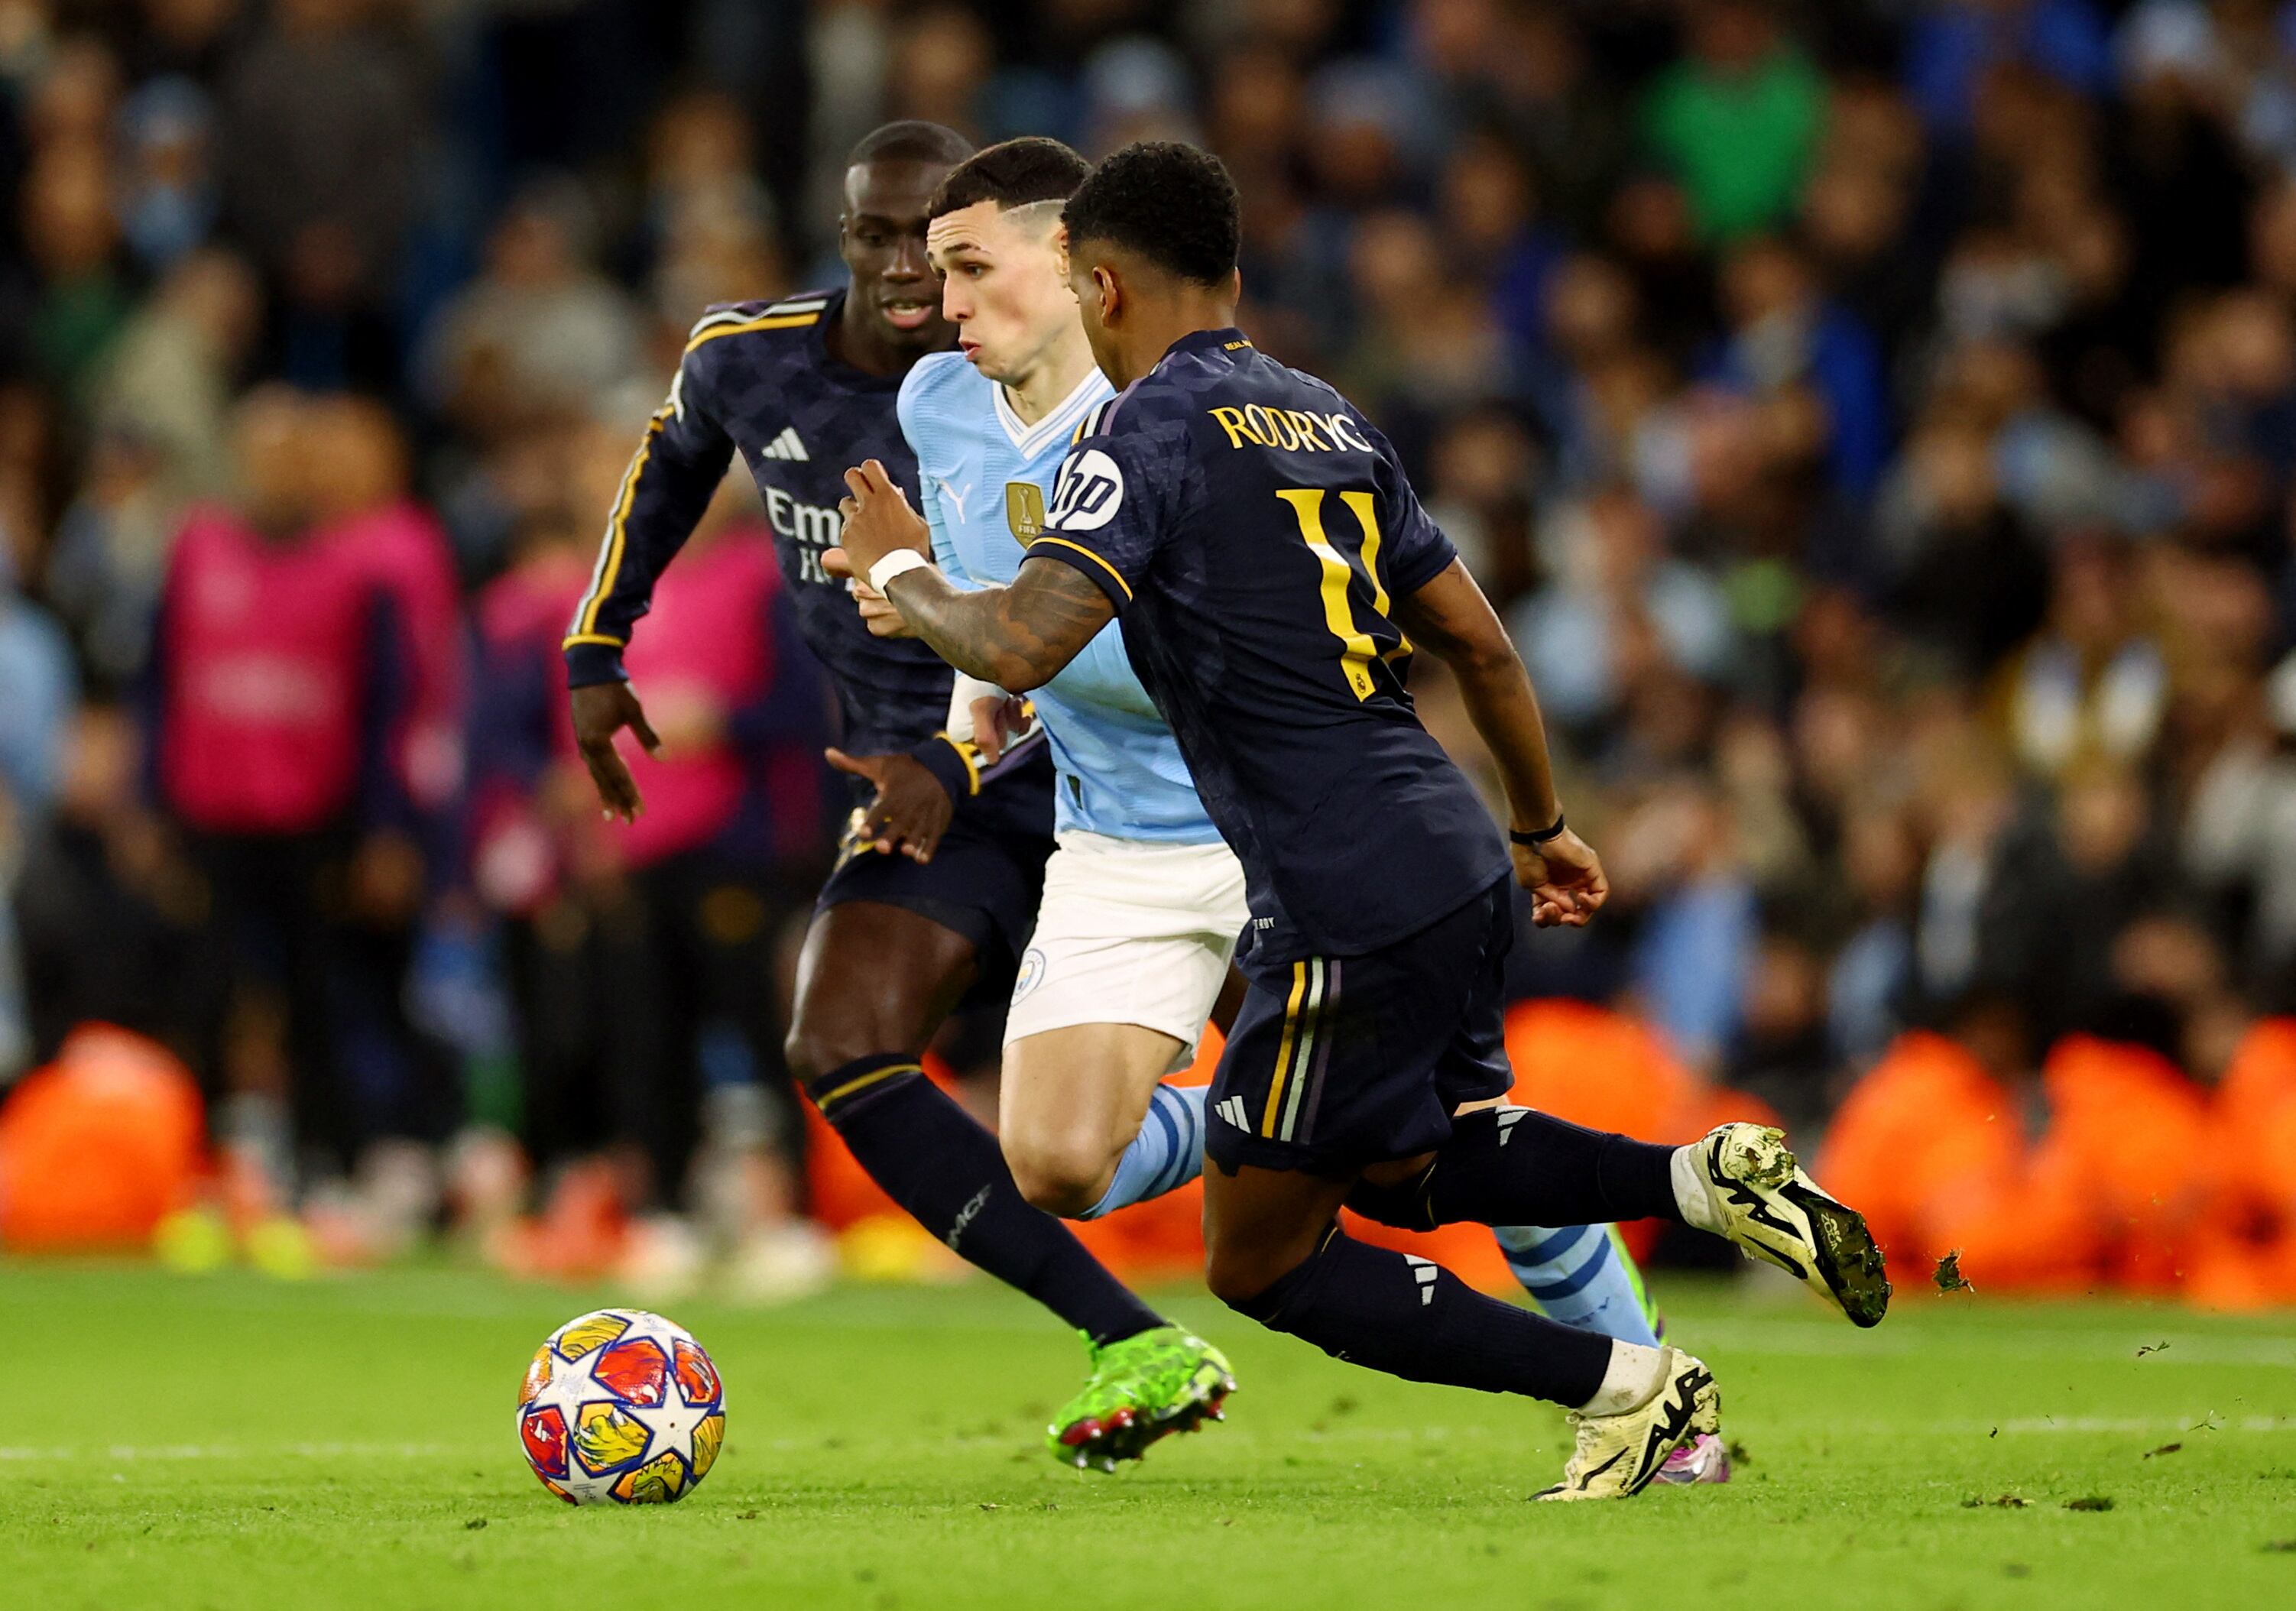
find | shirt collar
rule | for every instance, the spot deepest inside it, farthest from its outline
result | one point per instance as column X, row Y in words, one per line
column 1208, row 341
column 1031, row 440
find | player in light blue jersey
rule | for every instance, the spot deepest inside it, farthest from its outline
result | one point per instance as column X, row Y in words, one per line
column 1143, row 900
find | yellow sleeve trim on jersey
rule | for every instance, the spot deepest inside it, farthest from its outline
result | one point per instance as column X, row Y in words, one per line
column 967, row 754
column 594, row 637
column 610, row 563
column 1088, row 554
column 767, row 322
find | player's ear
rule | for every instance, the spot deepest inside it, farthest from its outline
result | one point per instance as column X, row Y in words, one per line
column 1111, row 293
column 1235, row 284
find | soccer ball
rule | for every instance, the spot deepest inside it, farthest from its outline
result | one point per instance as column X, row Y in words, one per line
column 621, row 1407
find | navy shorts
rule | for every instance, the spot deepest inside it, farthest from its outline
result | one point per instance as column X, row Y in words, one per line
column 984, row 879
column 1339, row 1062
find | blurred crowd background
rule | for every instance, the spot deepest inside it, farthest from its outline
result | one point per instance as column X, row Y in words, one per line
column 1874, row 418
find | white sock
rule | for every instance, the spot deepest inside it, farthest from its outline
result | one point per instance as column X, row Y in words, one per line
column 1635, row 1373
column 1579, row 1275
column 1167, row 1154
column 1692, row 1194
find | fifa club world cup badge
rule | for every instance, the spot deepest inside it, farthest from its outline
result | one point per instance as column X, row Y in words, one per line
column 1024, row 510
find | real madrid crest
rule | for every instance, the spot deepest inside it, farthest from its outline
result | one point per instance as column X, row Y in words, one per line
column 1024, row 510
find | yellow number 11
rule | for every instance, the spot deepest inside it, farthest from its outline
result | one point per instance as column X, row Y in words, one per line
column 1357, row 649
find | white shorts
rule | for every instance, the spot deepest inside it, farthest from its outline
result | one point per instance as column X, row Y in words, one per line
column 1130, row 932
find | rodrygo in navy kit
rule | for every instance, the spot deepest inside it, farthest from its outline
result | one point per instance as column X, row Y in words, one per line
column 1252, row 528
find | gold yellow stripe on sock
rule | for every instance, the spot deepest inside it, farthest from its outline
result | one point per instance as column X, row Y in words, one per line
column 877, row 1077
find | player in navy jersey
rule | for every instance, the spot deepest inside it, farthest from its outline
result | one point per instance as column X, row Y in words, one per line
column 943, row 866
column 1272, row 570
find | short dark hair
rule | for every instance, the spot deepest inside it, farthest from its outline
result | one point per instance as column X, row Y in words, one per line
column 1173, row 204
column 911, row 140
column 1014, row 173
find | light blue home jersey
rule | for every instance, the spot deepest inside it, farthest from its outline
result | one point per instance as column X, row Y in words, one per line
column 985, row 477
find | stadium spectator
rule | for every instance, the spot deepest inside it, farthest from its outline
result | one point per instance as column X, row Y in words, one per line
column 113, row 919
column 158, row 413
column 77, row 297
column 539, row 331
column 1738, row 119
column 281, row 669
column 320, row 125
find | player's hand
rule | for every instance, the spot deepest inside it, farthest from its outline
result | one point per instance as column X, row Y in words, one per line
column 877, row 612
column 911, row 811
column 601, row 711
column 1565, row 879
column 878, row 519
column 997, row 719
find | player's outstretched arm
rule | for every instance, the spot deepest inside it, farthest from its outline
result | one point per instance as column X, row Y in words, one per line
column 671, row 478
column 1451, row 619
column 1017, row 637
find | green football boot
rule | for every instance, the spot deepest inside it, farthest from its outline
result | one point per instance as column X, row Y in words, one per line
column 1142, row 1387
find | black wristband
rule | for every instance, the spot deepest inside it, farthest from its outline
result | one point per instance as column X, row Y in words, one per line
column 1533, row 840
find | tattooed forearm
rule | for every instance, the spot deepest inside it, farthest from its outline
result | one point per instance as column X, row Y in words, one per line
column 1017, row 637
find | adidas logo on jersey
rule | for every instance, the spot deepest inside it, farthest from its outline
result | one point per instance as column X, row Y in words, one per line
column 787, row 445
column 1232, row 1110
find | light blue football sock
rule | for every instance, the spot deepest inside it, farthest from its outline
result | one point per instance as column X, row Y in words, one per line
column 1167, row 1154
column 1582, row 1276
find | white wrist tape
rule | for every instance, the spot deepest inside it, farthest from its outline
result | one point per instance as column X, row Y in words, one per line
column 894, row 564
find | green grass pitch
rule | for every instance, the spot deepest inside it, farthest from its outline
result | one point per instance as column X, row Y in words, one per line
column 228, row 1443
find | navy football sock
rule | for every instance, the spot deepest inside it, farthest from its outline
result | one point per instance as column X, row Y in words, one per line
column 934, row 1160
column 1518, row 1167
column 1411, row 1318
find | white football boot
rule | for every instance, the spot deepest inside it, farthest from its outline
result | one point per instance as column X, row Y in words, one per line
column 1618, row 1456
column 1759, row 1197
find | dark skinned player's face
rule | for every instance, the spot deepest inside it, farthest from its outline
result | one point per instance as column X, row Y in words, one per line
column 882, row 241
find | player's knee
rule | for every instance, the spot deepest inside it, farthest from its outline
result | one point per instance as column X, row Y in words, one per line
column 1243, row 1272
column 1405, row 1205
column 802, row 1053
column 1063, row 1174
column 1240, row 1277
column 812, row 1049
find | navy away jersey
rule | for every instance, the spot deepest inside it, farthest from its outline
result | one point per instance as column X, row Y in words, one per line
column 758, row 377
column 1251, row 528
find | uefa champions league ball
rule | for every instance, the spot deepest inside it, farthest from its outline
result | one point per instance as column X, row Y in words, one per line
column 621, row 1407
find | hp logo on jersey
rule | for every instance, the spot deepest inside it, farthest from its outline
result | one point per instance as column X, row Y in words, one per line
column 1088, row 493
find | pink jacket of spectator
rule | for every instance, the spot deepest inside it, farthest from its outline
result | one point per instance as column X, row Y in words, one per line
column 275, row 662
column 710, row 639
